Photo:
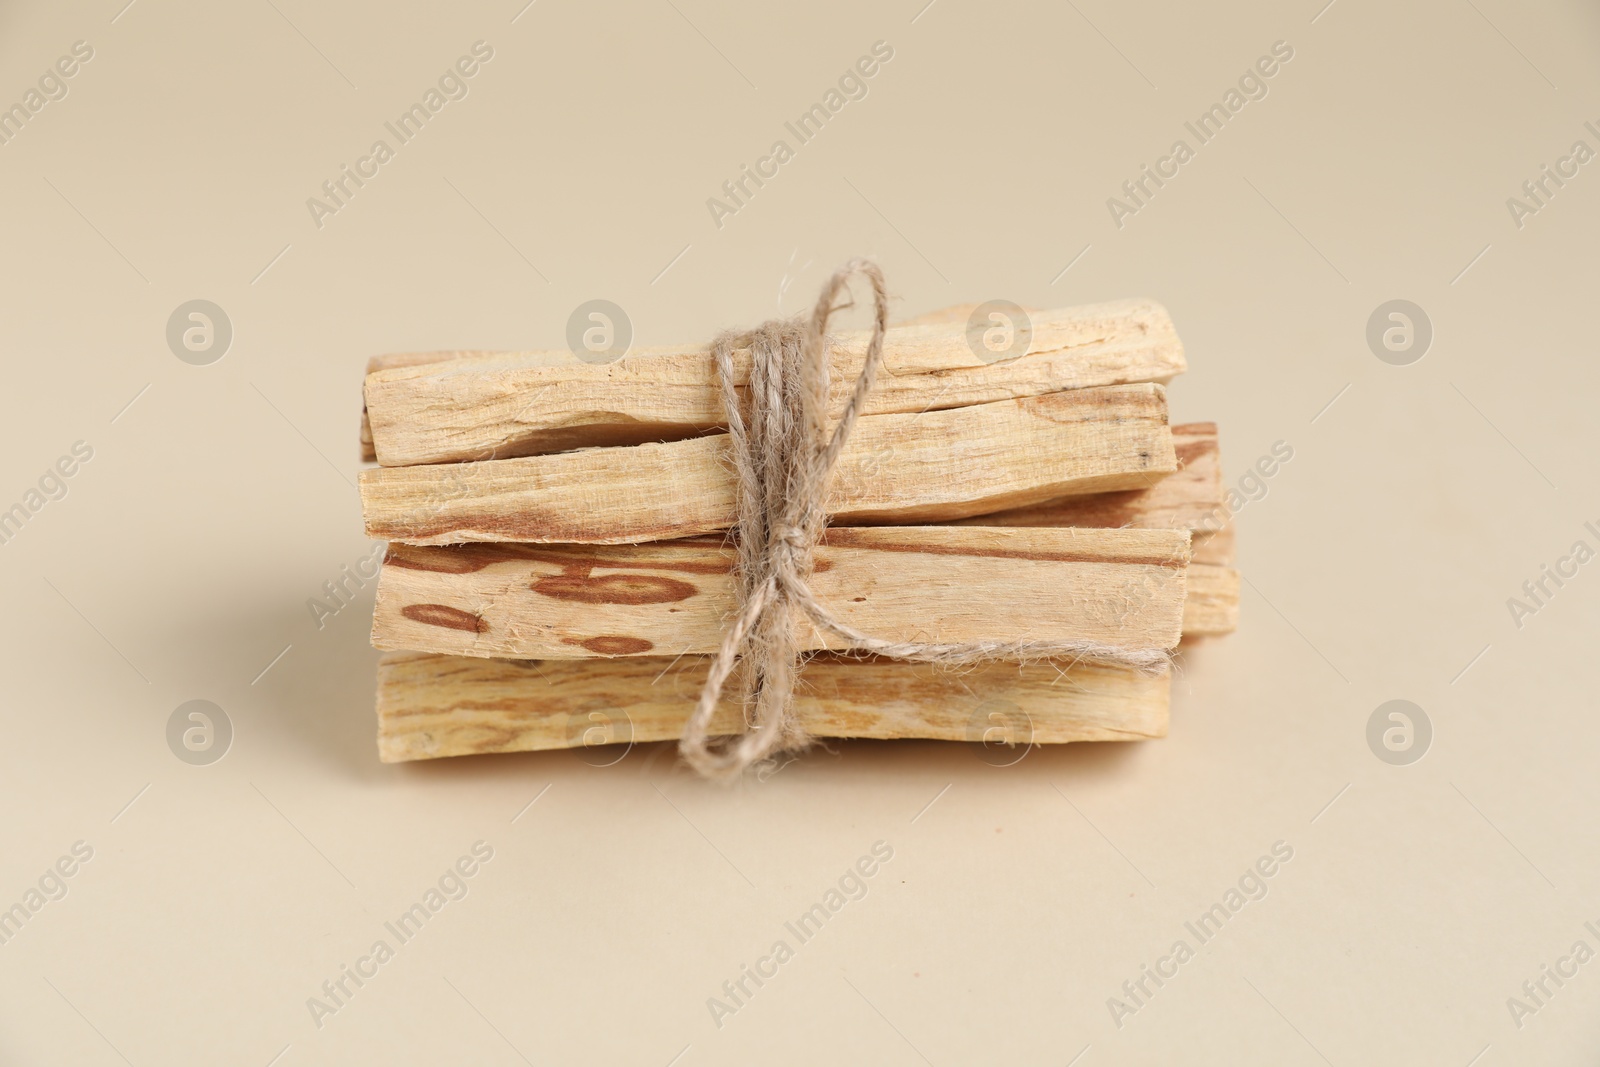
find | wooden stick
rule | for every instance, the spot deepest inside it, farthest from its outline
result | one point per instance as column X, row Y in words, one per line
column 431, row 706
column 1191, row 498
column 452, row 406
column 898, row 469
column 919, row 583
column 369, row 452
column 1211, row 602
column 1215, row 547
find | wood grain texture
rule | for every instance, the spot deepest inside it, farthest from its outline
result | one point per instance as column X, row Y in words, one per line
column 1216, row 547
column 925, row 584
column 1211, row 603
column 369, row 451
column 453, row 406
column 897, row 469
column 1191, row 498
column 432, row 706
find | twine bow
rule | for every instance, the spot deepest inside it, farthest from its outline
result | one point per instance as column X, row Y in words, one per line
column 784, row 458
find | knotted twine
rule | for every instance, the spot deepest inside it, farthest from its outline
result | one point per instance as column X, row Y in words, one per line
column 783, row 460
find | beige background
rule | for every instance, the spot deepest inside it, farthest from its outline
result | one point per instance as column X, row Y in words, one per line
column 978, row 166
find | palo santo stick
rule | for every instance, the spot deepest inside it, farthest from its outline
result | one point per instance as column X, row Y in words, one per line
column 400, row 359
column 898, row 469
column 931, row 584
column 481, row 405
column 431, row 706
column 1211, row 600
column 1216, row 547
column 1211, row 603
column 1190, row 498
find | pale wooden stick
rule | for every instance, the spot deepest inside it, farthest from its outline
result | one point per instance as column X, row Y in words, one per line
column 1211, row 602
column 928, row 584
column 451, row 406
column 1191, row 498
column 1215, row 547
column 896, row 469
column 369, row 451
column 431, row 706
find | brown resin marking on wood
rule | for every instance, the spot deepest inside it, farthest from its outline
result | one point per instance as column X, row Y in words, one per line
column 615, row 589
column 614, row 645
column 446, row 616
column 399, row 556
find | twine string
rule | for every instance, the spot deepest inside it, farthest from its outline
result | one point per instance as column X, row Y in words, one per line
column 784, row 458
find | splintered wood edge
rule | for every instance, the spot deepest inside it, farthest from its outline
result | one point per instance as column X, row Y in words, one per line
column 1101, row 336
column 954, row 313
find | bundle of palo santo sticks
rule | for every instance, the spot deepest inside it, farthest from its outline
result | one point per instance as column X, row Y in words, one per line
column 560, row 569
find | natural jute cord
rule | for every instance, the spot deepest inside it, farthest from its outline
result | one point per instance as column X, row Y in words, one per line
column 784, row 458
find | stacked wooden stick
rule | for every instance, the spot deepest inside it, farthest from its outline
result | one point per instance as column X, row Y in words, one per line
column 559, row 568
